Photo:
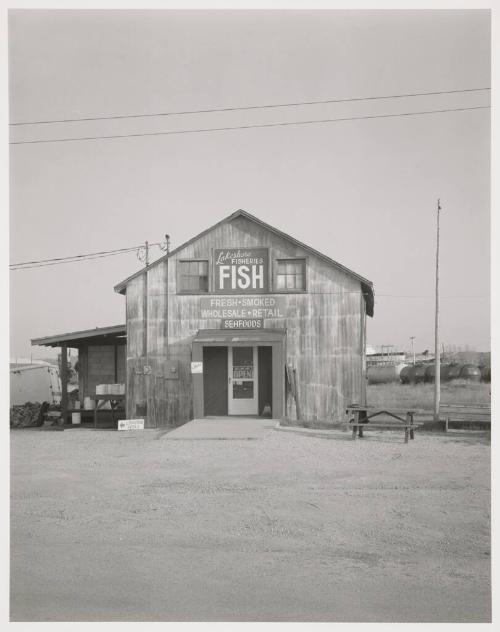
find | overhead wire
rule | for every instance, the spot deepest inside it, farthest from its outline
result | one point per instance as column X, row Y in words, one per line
column 75, row 258
column 246, row 107
column 250, row 126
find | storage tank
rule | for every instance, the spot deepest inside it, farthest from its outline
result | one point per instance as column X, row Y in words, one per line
column 454, row 372
column 470, row 372
column 406, row 375
column 419, row 374
column 383, row 374
column 486, row 374
column 430, row 372
column 445, row 372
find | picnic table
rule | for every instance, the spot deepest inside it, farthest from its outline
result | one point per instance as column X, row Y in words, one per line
column 360, row 417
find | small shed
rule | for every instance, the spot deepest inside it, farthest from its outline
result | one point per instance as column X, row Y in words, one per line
column 101, row 358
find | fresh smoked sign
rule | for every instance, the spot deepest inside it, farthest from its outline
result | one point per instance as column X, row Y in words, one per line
column 245, row 308
column 241, row 270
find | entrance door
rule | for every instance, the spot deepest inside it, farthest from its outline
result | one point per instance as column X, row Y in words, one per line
column 215, row 384
column 243, row 396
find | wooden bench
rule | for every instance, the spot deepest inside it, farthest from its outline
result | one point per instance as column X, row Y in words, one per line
column 460, row 415
column 359, row 420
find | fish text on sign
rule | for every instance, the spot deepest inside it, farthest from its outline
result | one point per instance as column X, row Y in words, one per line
column 242, row 277
column 241, row 270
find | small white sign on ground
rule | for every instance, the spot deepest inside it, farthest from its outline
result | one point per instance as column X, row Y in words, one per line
column 131, row 424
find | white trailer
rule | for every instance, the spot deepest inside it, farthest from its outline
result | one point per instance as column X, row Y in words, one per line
column 35, row 383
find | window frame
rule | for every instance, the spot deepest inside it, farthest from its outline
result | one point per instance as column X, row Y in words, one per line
column 179, row 275
column 305, row 266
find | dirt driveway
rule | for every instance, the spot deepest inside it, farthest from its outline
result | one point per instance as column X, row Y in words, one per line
column 110, row 526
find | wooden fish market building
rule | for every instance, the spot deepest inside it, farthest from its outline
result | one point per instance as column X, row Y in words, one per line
column 240, row 320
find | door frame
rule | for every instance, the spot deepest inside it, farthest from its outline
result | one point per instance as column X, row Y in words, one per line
column 232, row 403
column 277, row 342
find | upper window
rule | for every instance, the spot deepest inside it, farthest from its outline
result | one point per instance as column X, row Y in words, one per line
column 290, row 275
column 193, row 276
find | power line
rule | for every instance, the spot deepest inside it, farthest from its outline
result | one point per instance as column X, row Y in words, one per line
column 252, row 126
column 247, row 107
column 56, row 263
column 90, row 254
column 73, row 259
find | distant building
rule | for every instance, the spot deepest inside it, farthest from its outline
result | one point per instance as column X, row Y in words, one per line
column 376, row 356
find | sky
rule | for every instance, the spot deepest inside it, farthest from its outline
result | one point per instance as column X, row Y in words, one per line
column 363, row 192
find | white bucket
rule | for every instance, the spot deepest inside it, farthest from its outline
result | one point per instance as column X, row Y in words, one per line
column 76, row 418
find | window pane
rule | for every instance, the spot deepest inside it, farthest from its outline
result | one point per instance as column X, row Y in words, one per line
column 242, row 355
column 203, row 268
column 290, row 274
column 184, row 280
column 242, row 390
column 193, row 276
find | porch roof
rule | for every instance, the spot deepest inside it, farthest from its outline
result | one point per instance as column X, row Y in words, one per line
column 116, row 334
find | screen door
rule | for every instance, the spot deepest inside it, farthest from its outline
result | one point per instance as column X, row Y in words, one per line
column 243, row 396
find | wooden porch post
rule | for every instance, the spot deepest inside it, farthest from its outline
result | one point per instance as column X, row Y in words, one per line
column 64, row 383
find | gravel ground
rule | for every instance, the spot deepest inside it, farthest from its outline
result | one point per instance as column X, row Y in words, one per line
column 109, row 526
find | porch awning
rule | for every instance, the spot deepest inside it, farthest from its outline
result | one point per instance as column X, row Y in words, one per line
column 231, row 336
column 116, row 334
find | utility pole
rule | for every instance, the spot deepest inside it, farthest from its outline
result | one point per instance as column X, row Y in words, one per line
column 145, row 300
column 412, row 338
column 437, row 363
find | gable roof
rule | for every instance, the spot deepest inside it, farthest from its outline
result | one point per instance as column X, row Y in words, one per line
column 366, row 285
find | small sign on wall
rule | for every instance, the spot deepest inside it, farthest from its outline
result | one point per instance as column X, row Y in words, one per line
column 131, row 424
column 196, row 367
column 243, row 323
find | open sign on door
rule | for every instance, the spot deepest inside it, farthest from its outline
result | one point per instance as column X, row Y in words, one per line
column 241, row 270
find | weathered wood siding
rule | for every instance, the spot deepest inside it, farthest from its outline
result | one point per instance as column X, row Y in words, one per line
column 325, row 326
column 136, row 351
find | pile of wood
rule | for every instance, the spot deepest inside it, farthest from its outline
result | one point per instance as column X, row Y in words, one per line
column 28, row 415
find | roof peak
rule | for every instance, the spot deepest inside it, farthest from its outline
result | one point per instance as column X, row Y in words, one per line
column 366, row 284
